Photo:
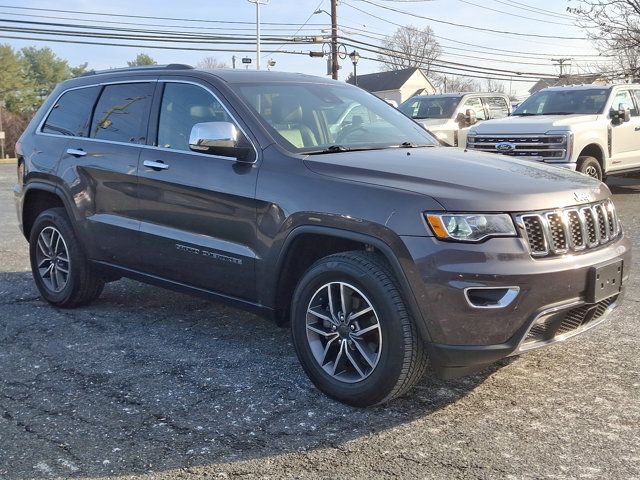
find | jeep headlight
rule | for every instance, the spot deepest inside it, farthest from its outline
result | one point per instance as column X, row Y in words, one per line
column 470, row 227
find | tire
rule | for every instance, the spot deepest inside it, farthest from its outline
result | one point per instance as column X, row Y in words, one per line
column 397, row 355
column 590, row 167
column 80, row 285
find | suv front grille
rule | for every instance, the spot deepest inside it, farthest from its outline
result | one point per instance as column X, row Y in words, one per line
column 569, row 229
column 528, row 146
column 565, row 323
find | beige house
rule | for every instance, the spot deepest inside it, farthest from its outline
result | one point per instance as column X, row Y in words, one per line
column 396, row 85
column 568, row 80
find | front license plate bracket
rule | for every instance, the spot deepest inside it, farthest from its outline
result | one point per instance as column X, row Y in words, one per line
column 604, row 281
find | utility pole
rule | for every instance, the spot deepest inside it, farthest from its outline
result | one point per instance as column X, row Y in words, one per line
column 258, row 3
column 334, row 39
column 560, row 62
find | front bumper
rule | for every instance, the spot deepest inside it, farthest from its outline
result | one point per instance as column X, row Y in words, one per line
column 464, row 338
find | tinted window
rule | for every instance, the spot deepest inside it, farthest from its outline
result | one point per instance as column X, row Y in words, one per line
column 624, row 97
column 72, row 113
column 122, row 113
column 498, row 107
column 429, row 107
column 475, row 104
column 183, row 106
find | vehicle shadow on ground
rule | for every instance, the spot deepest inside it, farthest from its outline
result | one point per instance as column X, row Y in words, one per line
column 624, row 185
column 150, row 380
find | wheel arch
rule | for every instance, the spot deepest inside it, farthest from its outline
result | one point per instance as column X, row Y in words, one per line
column 594, row 150
column 39, row 197
column 326, row 241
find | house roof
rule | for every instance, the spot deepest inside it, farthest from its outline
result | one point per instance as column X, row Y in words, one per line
column 381, row 81
column 563, row 81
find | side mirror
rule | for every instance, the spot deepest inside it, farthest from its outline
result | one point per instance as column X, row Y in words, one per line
column 622, row 115
column 219, row 138
column 470, row 117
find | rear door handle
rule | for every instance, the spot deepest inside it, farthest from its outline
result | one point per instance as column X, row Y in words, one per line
column 76, row 152
column 155, row 165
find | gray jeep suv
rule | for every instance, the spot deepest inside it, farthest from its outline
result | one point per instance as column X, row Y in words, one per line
column 382, row 250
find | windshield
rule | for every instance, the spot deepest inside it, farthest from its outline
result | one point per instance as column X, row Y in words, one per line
column 430, row 107
column 564, row 102
column 311, row 118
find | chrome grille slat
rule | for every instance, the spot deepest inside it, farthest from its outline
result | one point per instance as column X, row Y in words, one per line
column 572, row 229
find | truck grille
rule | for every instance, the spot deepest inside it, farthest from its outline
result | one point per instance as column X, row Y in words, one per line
column 528, row 146
column 569, row 229
column 564, row 323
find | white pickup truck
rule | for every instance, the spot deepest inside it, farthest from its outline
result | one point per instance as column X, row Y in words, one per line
column 589, row 128
column 450, row 115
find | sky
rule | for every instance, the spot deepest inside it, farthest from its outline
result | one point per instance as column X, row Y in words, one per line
column 462, row 45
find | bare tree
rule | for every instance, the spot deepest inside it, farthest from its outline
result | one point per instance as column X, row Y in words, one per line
column 614, row 26
column 409, row 47
column 211, row 63
column 494, row 86
column 455, row 83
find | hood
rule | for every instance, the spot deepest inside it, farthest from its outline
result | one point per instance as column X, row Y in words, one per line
column 534, row 124
column 463, row 181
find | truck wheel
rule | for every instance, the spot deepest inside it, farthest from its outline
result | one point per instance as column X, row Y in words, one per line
column 61, row 271
column 590, row 166
column 352, row 332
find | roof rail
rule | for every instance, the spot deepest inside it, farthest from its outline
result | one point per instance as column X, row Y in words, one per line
column 142, row 68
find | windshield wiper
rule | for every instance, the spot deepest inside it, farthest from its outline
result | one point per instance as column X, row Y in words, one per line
column 524, row 114
column 558, row 113
column 330, row 149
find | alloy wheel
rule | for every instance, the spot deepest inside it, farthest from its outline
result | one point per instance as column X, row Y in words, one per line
column 591, row 171
column 343, row 332
column 52, row 257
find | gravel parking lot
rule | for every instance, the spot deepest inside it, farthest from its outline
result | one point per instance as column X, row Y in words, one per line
column 150, row 383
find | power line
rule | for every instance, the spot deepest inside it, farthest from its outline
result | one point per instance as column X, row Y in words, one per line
column 531, row 8
column 121, row 15
column 440, row 37
column 484, row 7
column 461, row 25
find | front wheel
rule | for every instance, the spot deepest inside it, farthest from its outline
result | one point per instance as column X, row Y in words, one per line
column 352, row 332
column 60, row 269
column 591, row 167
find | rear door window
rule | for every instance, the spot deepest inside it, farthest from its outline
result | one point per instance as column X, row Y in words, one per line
column 498, row 107
column 122, row 113
column 71, row 114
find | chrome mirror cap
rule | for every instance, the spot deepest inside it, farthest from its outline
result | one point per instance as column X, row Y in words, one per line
column 205, row 136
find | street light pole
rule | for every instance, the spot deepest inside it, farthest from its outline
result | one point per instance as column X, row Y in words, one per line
column 355, row 56
column 258, row 3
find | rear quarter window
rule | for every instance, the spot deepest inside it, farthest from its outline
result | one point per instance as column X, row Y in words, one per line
column 71, row 113
column 122, row 113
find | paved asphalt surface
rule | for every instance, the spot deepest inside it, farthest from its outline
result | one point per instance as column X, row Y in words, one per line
column 150, row 383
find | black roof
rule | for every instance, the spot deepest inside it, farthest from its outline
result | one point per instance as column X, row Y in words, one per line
column 392, row 80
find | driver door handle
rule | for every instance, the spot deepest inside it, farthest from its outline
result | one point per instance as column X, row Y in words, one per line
column 155, row 165
column 637, row 129
column 76, row 152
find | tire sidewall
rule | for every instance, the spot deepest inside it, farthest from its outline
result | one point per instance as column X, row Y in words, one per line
column 53, row 218
column 383, row 379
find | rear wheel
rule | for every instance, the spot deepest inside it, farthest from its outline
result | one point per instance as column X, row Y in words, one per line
column 61, row 272
column 591, row 167
column 352, row 331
